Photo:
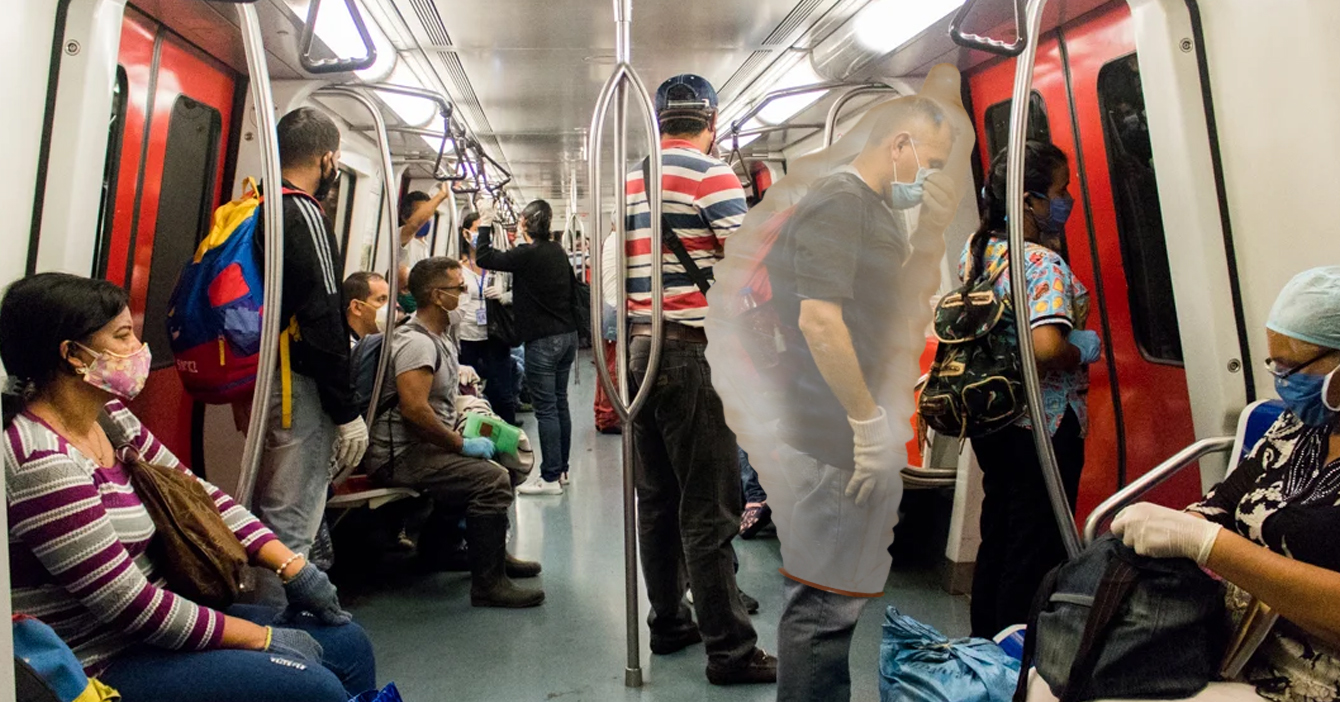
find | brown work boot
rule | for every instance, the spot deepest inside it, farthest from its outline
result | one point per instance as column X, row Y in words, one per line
column 759, row 667
column 489, row 585
column 516, row 568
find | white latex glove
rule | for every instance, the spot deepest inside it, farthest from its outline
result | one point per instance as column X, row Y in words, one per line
column 493, row 292
column 1160, row 532
column 876, row 457
column 487, row 212
column 467, row 375
column 350, row 444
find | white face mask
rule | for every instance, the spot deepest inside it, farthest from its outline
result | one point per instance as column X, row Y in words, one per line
column 381, row 322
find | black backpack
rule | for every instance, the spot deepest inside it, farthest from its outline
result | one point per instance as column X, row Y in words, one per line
column 1115, row 624
column 975, row 385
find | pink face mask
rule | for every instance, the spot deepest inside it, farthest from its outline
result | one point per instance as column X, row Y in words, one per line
column 123, row 376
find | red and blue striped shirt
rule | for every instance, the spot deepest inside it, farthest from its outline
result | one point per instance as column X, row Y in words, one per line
column 703, row 203
column 78, row 545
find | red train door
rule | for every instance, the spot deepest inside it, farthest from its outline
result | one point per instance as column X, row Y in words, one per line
column 175, row 106
column 1087, row 101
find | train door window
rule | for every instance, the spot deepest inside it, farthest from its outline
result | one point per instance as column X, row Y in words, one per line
column 998, row 123
column 111, row 166
column 1139, row 218
column 190, row 163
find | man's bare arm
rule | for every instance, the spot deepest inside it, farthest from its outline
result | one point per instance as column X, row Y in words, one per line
column 830, row 344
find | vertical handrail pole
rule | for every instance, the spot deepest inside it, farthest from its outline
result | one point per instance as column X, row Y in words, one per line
column 262, row 100
column 392, row 236
column 1014, row 201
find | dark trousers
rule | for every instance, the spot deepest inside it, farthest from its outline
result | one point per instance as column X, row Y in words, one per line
column 1020, row 540
column 548, row 367
column 689, row 503
column 492, row 359
column 753, row 491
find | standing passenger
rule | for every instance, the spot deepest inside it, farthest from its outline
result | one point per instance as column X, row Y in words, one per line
column 324, row 433
column 688, row 478
column 543, row 296
column 1020, row 541
column 416, row 223
column 489, row 356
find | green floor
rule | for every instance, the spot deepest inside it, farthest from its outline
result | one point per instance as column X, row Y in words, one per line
column 437, row 648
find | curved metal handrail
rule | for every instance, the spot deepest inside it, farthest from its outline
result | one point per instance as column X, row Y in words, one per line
column 753, row 111
column 444, row 108
column 1155, row 477
column 830, row 123
column 262, row 100
column 618, row 86
column 987, row 44
column 1014, row 199
column 335, row 65
column 389, row 191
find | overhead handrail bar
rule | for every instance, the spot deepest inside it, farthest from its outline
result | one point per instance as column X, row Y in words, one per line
column 984, row 43
column 830, row 123
column 744, row 165
column 753, row 111
column 616, row 90
column 439, row 173
column 1014, row 202
column 1155, row 477
column 389, row 190
column 444, row 108
column 335, row 65
column 262, row 100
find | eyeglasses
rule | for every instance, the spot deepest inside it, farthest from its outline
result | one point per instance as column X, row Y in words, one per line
column 1283, row 372
column 456, row 289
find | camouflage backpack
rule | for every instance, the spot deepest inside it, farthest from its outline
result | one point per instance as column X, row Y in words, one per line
column 975, row 386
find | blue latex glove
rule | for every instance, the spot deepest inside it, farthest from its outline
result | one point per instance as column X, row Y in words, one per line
column 296, row 644
column 311, row 591
column 1089, row 344
column 478, row 447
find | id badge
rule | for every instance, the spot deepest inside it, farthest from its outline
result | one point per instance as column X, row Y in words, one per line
column 481, row 316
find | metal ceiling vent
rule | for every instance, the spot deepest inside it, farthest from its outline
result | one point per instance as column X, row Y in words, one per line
column 779, row 37
column 431, row 21
column 791, row 23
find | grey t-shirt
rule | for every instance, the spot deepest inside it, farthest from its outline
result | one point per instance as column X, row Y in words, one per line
column 414, row 348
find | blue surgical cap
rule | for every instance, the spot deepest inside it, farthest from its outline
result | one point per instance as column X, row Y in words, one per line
column 1308, row 308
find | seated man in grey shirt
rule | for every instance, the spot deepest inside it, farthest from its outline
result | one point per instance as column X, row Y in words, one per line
column 414, row 445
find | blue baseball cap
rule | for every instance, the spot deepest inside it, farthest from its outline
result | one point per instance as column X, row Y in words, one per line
column 687, row 94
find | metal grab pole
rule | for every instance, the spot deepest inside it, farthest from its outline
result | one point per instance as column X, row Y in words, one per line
column 273, row 210
column 627, row 408
column 830, row 123
column 392, row 239
column 1014, row 202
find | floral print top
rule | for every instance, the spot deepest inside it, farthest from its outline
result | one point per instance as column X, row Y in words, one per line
column 1055, row 297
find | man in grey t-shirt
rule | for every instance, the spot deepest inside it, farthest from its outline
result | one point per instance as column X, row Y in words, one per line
column 414, row 444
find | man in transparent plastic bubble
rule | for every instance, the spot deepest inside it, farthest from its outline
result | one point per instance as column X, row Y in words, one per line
column 818, row 377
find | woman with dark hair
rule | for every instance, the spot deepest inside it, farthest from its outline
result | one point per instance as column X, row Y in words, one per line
column 1020, row 541
column 69, row 346
column 489, row 356
column 544, row 296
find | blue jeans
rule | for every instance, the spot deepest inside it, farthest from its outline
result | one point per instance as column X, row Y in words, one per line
column 753, row 491
column 234, row 675
column 548, row 365
column 295, row 466
column 813, row 640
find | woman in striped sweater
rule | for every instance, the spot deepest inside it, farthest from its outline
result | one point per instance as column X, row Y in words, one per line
column 79, row 535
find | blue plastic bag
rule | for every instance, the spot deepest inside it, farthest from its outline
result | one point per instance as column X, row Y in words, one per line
column 918, row 664
column 387, row 694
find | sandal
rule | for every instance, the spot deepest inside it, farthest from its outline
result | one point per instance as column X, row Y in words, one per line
column 755, row 518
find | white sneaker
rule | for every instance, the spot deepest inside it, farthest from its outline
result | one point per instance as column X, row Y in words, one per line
column 563, row 479
column 540, row 487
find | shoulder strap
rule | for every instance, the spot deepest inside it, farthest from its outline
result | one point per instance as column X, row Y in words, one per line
column 394, row 398
column 1040, row 600
column 671, row 240
column 1117, row 583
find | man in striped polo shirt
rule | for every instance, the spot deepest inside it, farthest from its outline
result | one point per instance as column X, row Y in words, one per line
column 688, row 479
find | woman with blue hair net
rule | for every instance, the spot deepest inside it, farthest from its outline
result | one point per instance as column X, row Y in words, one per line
column 1269, row 529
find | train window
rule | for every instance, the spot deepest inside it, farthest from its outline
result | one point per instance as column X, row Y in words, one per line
column 339, row 206
column 190, row 165
column 1139, row 219
column 111, row 167
column 998, row 123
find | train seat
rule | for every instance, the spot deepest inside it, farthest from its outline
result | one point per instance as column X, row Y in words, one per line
column 1214, row 692
column 358, row 491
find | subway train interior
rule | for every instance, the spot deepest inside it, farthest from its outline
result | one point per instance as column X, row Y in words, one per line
column 1200, row 163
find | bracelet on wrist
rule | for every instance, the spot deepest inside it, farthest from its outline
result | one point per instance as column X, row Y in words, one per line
column 280, row 570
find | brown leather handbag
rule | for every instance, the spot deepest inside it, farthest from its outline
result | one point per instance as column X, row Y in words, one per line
column 197, row 554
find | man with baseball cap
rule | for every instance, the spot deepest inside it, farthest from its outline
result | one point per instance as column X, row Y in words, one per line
column 688, row 479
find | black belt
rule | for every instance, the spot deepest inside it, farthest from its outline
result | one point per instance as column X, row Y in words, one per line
column 674, row 332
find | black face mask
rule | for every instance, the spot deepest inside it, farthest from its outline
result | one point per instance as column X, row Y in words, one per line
column 328, row 181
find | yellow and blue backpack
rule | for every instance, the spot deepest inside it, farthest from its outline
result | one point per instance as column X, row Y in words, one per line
column 46, row 670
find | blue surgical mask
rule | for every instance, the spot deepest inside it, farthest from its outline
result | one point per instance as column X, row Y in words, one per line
column 905, row 196
column 1059, row 212
column 1305, row 396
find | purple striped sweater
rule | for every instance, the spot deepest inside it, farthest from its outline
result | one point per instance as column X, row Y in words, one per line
column 78, row 537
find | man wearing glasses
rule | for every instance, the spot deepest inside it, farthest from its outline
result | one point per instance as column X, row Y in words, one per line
column 415, row 445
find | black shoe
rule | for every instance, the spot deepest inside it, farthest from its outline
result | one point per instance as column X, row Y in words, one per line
column 754, row 520
column 662, row 644
column 750, row 604
column 613, row 429
column 758, row 668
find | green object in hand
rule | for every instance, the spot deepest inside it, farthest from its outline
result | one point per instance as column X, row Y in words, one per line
column 503, row 435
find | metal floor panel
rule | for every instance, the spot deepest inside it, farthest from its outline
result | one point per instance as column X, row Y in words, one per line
column 437, row 648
